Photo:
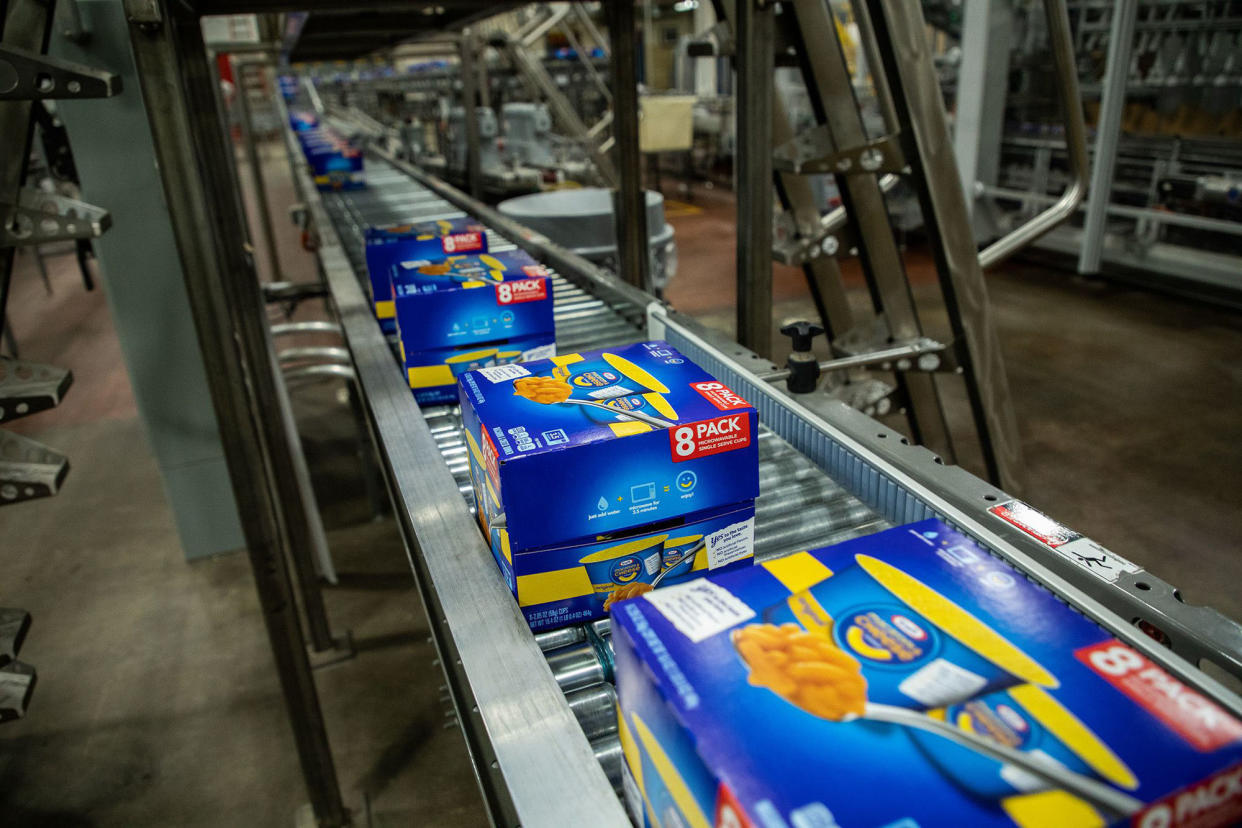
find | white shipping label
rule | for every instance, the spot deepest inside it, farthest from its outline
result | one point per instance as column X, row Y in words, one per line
column 504, row 373
column 1099, row 561
column 732, row 543
column 542, row 352
column 699, row 609
column 942, row 683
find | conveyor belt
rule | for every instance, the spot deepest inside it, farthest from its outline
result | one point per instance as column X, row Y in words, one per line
column 533, row 708
column 799, row 506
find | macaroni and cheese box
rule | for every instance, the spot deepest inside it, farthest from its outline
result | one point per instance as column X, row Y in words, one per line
column 461, row 313
column 576, row 583
column 904, row 679
column 586, row 445
column 391, row 244
column 335, row 163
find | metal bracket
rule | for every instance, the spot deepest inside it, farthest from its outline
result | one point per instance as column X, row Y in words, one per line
column 28, row 469
column 815, row 151
column 30, row 76
column 144, row 12
column 17, row 683
column 872, row 341
column 28, row 387
column 14, row 624
column 871, row 396
column 791, row 247
column 40, row 217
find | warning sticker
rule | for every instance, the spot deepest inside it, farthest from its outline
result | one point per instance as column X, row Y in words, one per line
column 504, row 373
column 700, row 609
column 707, row 437
column 720, row 395
column 1035, row 523
column 732, row 543
column 1198, row 720
column 1095, row 558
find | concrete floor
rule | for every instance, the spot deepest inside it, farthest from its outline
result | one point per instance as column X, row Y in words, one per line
column 157, row 702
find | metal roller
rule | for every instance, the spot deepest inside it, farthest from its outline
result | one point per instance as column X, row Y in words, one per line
column 576, row 666
column 596, row 710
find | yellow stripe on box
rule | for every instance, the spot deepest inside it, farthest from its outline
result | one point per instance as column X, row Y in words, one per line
column 473, row 284
column 385, row 309
column 1074, row 734
column 811, row 614
column 957, row 622
column 629, row 370
column 566, row 359
column 558, row 585
column 504, row 542
column 661, row 405
column 628, row 427
column 429, row 376
column 633, row 759
column 1045, row 808
column 677, row 788
column 799, row 571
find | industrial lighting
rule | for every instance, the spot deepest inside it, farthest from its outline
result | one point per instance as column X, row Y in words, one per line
column 685, row 5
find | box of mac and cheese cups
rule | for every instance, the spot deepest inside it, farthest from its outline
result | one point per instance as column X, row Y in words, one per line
column 908, row 678
column 390, row 244
column 595, row 473
column 461, row 313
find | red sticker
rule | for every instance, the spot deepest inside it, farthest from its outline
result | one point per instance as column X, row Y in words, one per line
column 521, row 290
column 720, row 395
column 1035, row 523
column 462, row 243
column 707, row 437
column 729, row 812
column 1215, row 801
column 535, row 270
column 1200, row 721
column 490, row 458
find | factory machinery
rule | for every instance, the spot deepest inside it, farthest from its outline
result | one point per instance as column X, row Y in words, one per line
column 536, row 711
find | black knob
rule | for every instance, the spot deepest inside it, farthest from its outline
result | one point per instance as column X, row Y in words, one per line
column 802, row 334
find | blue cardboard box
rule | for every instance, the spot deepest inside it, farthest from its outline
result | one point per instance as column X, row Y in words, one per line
column 597, row 443
column 391, row 244
column 335, row 163
column 905, row 679
column 461, row 313
column 576, row 583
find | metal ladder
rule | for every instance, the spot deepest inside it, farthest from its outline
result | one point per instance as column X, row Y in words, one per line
column 915, row 147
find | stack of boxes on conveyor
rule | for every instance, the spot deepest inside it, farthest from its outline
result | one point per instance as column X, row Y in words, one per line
column 598, row 475
column 336, row 164
column 453, row 305
column 908, row 678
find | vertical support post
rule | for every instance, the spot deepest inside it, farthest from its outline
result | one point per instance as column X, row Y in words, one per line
column 1112, row 103
column 755, row 70
column 256, row 172
column 981, row 89
column 629, row 199
column 901, row 36
column 470, row 114
column 178, row 86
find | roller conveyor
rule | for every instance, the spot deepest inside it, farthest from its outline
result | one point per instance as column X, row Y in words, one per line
column 535, row 710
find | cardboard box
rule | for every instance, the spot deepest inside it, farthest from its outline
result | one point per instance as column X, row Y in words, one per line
column 461, row 313
column 622, row 438
column 391, row 244
column 335, row 163
column 573, row 584
column 917, row 680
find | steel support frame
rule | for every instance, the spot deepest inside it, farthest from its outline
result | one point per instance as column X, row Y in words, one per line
column 240, row 66
column 178, row 84
column 26, row 24
column 987, row 32
column 755, row 34
column 828, row 79
column 1112, row 106
column 900, row 33
column 629, row 198
column 468, row 52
